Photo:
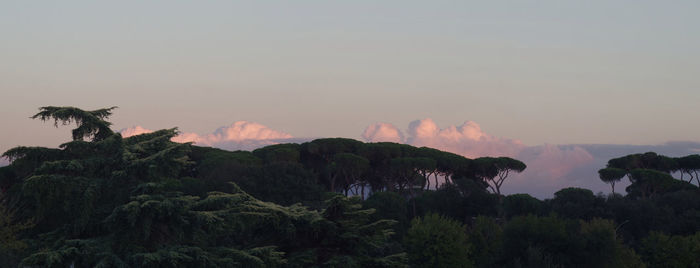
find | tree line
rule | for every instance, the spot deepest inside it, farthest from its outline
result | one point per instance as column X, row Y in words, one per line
column 101, row 200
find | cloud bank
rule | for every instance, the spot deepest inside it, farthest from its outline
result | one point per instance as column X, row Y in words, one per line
column 549, row 167
column 241, row 135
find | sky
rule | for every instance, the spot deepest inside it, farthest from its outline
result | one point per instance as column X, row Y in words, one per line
column 530, row 74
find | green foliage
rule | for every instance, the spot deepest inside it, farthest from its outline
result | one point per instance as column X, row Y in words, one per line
column 486, row 237
column 521, row 204
column 287, row 152
column 392, row 206
column 436, row 241
column 353, row 239
column 10, row 229
column 101, row 200
column 496, row 170
column 611, row 176
column 90, row 124
column 576, row 203
column 282, row 183
column 648, row 183
column 648, row 160
column 533, row 241
column 689, row 165
column 660, row 250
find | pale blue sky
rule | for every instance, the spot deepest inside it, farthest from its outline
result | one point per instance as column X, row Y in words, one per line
column 625, row 72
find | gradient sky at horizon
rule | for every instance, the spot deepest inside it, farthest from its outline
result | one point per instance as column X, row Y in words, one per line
column 560, row 72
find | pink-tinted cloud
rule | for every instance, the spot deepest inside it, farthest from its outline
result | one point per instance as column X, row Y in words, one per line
column 133, row 131
column 552, row 161
column 383, row 132
column 548, row 166
column 241, row 135
column 467, row 139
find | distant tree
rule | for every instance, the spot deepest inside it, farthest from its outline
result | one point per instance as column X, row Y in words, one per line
column 648, row 160
column 283, row 183
column 689, row 165
column 319, row 155
column 576, row 203
column 350, row 168
column 521, row 204
column 611, row 176
column 495, row 170
column 647, row 183
column 410, row 171
column 435, row 241
column 287, row 152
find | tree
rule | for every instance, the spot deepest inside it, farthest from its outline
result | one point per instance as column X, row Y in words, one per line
column 486, row 237
column 647, row 183
column 611, row 176
column 689, row 165
column 648, row 160
column 119, row 202
column 91, row 124
column 576, row 203
column 10, row 228
column 521, row 204
column 435, row 241
column 350, row 168
column 661, row 250
column 495, row 170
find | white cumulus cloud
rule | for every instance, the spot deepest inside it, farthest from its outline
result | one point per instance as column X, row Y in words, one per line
column 467, row 139
column 241, row 135
column 383, row 132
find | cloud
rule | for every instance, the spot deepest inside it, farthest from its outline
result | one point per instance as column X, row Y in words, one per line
column 549, row 167
column 553, row 167
column 382, row 132
column 4, row 161
column 467, row 139
column 241, row 135
column 133, row 131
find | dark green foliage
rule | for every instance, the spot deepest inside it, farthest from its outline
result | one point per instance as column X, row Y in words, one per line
column 532, row 241
column 521, row 204
column 660, row 250
column 353, row 239
column 91, row 124
column 101, row 200
column 282, row 183
column 435, row 241
column 649, row 160
column 611, row 176
column 11, row 245
column 288, row 152
column 496, row 170
column 486, row 237
column 648, row 183
column 689, row 165
column 391, row 206
column 577, row 203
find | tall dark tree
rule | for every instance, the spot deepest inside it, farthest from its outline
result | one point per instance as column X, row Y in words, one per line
column 91, row 124
column 689, row 165
column 611, row 176
column 495, row 171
